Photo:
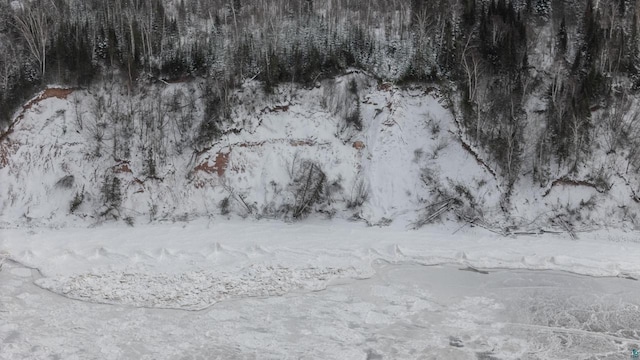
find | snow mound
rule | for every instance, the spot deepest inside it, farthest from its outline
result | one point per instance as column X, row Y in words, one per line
column 194, row 290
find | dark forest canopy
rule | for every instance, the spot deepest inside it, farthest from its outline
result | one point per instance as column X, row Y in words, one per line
column 494, row 54
column 300, row 40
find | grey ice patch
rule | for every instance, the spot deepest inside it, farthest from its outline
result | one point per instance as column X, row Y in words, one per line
column 372, row 355
column 21, row 272
column 11, row 337
column 472, row 269
column 486, row 355
column 627, row 276
column 455, row 342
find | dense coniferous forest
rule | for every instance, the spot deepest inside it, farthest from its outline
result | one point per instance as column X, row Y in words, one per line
column 490, row 57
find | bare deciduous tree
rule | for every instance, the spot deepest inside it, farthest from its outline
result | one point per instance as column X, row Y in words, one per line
column 33, row 23
column 473, row 69
column 622, row 126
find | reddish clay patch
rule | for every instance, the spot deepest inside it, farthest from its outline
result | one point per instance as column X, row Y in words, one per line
column 57, row 93
column 385, row 86
column 358, row 145
column 292, row 142
column 277, row 108
column 122, row 168
column 250, row 144
column 199, row 184
column 205, row 167
column 219, row 167
column 7, row 148
column 139, row 183
column 46, row 94
column 306, row 142
column 222, row 159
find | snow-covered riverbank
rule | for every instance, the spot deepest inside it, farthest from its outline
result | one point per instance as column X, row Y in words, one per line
column 401, row 312
column 315, row 290
column 194, row 265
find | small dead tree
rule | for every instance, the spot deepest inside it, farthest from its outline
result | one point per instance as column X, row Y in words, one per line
column 622, row 126
column 76, row 111
column 474, row 71
column 97, row 127
column 111, row 194
column 359, row 194
column 308, row 188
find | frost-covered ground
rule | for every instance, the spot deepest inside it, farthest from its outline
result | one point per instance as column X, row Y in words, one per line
column 316, row 290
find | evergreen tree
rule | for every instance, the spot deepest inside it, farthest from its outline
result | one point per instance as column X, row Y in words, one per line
column 543, row 8
column 562, row 37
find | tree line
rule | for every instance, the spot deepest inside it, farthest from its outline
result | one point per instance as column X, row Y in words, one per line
column 493, row 53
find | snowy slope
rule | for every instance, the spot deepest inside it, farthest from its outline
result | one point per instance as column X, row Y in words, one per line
column 410, row 162
column 404, row 132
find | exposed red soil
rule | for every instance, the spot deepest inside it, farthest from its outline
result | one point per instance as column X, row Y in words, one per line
column 277, row 108
column 123, row 167
column 206, row 167
column 199, row 184
column 292, row 142
column 358, row 145
column 58, row 93
column 222, row 159
column 250, row 144
column 7, row 148
column 385, row 86
column 306, row 142
column 219, row 167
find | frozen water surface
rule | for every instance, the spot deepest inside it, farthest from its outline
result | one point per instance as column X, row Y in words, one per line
column 402, row 311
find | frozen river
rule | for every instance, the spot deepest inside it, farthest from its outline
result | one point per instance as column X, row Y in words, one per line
column 401, row 312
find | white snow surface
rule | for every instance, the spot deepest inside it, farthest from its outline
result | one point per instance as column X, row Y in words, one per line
column 314, row 290
column 194, row 265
